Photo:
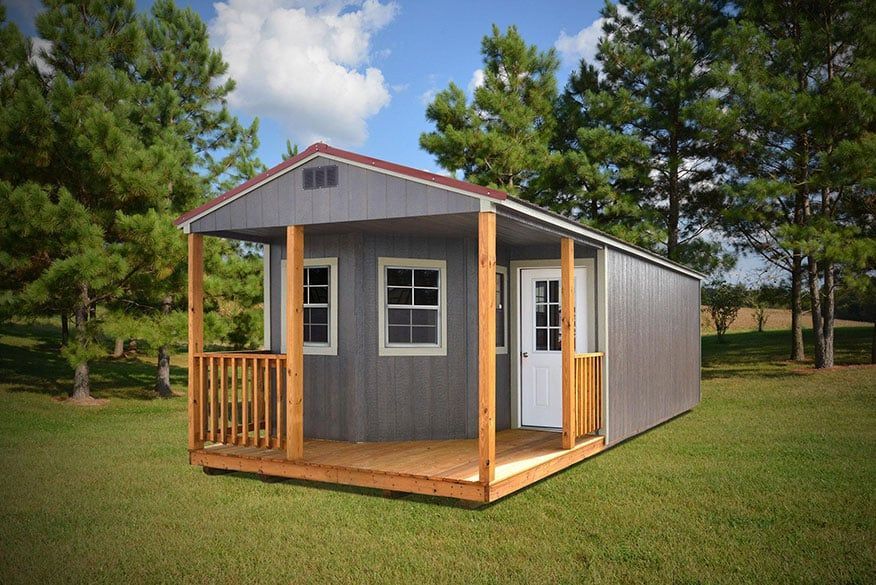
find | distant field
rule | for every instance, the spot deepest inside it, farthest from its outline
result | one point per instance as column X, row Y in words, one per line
column 776, row 319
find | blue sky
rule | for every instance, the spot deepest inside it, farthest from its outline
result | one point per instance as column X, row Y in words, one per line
column 416, row 48
column 358, row 73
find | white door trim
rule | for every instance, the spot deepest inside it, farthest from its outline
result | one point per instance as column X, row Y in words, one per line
column 515, row 266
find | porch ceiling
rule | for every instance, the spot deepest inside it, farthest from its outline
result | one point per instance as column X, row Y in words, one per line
column 510, row 229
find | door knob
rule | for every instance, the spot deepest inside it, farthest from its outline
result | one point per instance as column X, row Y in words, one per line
column 525, row 354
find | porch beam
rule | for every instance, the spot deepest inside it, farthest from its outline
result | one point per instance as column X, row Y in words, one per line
column 294, row 342
column 196, row 337
column 567, row 343
column 487, row 346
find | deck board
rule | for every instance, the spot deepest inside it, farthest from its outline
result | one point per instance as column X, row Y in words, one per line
column 448, row 467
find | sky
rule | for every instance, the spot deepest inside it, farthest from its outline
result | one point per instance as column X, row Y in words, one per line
column 358, row 74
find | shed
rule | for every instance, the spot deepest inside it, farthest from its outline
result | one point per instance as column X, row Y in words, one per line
column 424, row 334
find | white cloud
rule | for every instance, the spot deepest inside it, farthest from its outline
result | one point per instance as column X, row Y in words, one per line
column 38, row 48
column 583, row 44
column 306, row 63
column 477, row 80
column 428, row 96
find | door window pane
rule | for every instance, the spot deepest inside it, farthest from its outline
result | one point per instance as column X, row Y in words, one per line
column 547, row 315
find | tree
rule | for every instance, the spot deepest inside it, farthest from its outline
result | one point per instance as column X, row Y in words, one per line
column 593, row 174
column 657, row 89
column 291, row 150
column 802, row 94
column 501, row 138
column 724, row 301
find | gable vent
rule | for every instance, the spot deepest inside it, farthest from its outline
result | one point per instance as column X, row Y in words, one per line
column 321, row 177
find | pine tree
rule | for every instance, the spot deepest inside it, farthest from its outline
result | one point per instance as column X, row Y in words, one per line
column 802, row 90
column 594, row 174
column 501, row 138
column 657, row 88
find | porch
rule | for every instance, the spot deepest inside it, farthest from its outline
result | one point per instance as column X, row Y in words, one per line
column 242, row 427
column 441, row 468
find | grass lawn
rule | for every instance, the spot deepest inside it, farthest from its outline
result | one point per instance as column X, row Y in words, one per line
column 771, row 479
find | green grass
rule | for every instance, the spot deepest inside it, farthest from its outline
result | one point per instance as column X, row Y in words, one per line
column 770, row 479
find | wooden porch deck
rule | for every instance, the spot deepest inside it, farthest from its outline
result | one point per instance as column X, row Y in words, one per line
column 443, row 468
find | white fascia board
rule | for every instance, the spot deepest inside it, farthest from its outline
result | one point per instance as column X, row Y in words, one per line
column 596, row 236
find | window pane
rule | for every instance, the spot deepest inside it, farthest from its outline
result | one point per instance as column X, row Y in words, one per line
column 500, row 329
column 500, row 290
column 399, row 316
column 399, row 296
column 426, row 296
column 426, row 278
column 424, row 317
column 319, row 334
column 541, row 339
column 555, row 339
column 540, row 315
column 398, row 276
column 400, row 334
column 555, row 291
column 554, row 313
column 540, row 291
column 317, row 275
column 318, row 294
column 317, row 316
column 424, row 334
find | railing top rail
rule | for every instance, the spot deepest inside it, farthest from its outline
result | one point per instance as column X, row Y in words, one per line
column 240, row 354
column 591, row 354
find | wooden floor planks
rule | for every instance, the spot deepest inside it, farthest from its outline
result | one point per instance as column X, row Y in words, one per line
column 446, row 468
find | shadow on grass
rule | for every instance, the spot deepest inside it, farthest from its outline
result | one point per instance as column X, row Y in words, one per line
column 31, row 361
column 766, row 354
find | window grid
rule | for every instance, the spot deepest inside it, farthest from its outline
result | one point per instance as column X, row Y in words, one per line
column 316, row 305
column 500, row 310
column 547, row 315
column 412, row 306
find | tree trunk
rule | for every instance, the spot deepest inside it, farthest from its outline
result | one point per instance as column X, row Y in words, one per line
column 162, row 381
column 815, row 305
column 65, row 329
column 873, row 346
column 797, row 353
column 119, row 349
column 828, row 308
column 672, row 219
column 81, row 381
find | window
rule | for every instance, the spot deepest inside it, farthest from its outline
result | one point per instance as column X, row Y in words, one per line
column 320, row 177
column 316, row 305
column 547, row 315
column 501, row 310
column 320, row 306
column 412, row 299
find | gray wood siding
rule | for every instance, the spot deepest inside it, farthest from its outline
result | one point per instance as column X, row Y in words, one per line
column 360, row 195
column 653, row 344
column 359, row 395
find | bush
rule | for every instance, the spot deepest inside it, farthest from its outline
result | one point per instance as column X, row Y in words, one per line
column 724, row 301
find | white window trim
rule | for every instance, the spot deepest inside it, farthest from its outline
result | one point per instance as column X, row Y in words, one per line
column 383, row 349
column 503, row 349
column 330, row 348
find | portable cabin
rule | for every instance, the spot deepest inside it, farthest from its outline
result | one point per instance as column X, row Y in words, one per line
column 428, row 335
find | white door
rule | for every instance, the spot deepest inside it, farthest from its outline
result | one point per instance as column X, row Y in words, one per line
column 541, row 381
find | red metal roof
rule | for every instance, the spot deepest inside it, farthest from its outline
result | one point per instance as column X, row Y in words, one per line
column 321, row 147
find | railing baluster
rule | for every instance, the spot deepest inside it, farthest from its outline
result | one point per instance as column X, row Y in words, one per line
column 244, row 431
column 233, row 400
column 266, row 442
column 278, row 424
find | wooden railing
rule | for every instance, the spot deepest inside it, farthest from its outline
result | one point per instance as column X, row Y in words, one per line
column 243, row 398
column 588, row 392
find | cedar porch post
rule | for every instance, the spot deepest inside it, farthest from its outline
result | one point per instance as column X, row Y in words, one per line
column 487, row 346
column 567, row 343
column 196, row 338
column 294, row 342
